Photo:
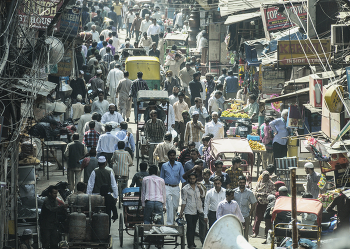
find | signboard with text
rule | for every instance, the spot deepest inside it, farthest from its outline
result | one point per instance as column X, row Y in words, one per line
column 303, row 52
column 65, row 65
column 70, row 20
column 38, row 14
column 275, row 20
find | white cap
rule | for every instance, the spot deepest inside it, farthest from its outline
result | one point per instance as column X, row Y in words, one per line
column 81, row 72
column 214, row 113
column 195, row 113
column 111, row 104
column 146, row 15
column 309, row 165
column 99, row 71
column 79, row 97
column 101, row 159
column 27, row 232
column 127, row 42
column 283, row 189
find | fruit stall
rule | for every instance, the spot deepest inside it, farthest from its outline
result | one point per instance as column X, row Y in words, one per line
column 236, row 123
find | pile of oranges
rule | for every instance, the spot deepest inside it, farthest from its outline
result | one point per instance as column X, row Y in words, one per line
column 255, row 145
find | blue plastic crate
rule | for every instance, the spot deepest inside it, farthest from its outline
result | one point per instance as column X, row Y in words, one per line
column 254, row 138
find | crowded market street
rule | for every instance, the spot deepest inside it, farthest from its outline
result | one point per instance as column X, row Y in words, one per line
column 174, row 124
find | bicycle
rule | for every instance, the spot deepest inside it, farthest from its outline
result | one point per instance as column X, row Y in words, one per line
column 121, row 183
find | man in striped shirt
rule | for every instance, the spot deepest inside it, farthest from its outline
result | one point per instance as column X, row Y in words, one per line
column 136, row 86
column 121, row 161
column 153, row 195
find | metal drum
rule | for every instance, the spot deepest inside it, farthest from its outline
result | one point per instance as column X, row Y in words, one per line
column 77, row 226
column 85, row 201
column 100, row 226
column 88, row 235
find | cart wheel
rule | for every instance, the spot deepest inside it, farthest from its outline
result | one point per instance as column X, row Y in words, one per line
column 183, row 242
column 136, row 238
column 121, row 230
column 120, row 197
column 137, row 156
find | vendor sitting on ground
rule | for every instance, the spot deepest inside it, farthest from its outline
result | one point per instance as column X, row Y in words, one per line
column 252, row 108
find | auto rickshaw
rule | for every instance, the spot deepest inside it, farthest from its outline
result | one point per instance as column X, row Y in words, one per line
column 225, row 149
column 178, row 39
column 306, row 231
column 150, row 67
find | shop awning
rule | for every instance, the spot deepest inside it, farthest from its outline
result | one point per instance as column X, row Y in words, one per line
column 312, row 109
column 304, row 91
column 228, row 7
column 241, row 17
column 40, row 87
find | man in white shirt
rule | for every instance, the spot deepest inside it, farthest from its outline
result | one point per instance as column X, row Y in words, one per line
column 113, row 78
column 100, row 176
column 156, row 15
column 171, row 116
column 77, row 110
column 145, row 42
column 129, row 20
column 106, row 32
column 174, row 65
column 112, row 115
column 145, row 24
column 174, row 98
column 212, row 199
column 101, row 105
column 229, row 206
column 106, row 144
column 191, row 206
column 215, row 127
column 116, row 42
column 213, row 104
column 103, row 50
column 153, row 31
column 86, row 117
column 95, row 34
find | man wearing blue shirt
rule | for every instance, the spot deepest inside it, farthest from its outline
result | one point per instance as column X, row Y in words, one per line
column 279, row 143
column 127, row 137
column 172, row 172
column 230, row 86
column 106, row 144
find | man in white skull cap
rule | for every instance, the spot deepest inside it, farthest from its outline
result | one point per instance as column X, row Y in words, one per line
column 100, row 176
column 312, row 179
column 27, row 239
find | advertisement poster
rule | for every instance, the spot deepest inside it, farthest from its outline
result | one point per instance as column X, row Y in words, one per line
column 38, row 14
column 275, row 20
column 303, row 52
column 65, row 65
column 70, row 20
column 347, row 69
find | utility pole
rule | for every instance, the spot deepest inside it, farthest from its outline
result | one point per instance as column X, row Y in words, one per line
column 294, row 207
column 311, row 18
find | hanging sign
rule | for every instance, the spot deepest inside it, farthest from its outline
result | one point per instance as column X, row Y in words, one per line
column 303, row 52
column 274, row 20
column 38, row 14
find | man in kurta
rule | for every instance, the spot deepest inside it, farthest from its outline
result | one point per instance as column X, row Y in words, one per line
column 113, row 78
column 186, row 75
column 123, row 98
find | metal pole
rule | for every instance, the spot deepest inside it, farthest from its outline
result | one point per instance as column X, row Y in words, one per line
column 294, row 207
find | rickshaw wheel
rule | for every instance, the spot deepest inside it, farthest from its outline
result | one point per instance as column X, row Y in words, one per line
column 136, row 238
column 137, row 156
column 121, row 229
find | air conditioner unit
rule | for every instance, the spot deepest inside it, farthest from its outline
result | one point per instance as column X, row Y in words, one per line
column 340, row 34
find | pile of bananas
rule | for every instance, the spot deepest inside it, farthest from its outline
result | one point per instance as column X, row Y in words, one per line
column 255, row 145
column 229, row 113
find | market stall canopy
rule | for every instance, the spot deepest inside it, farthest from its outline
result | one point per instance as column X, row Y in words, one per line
column 322, row 75
column 40, row 87
column 228, row 7
column 149, row 95
column 230, row 145
column 310, row 206
column 304, row 91
column 176, row 37
column 241, row 17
